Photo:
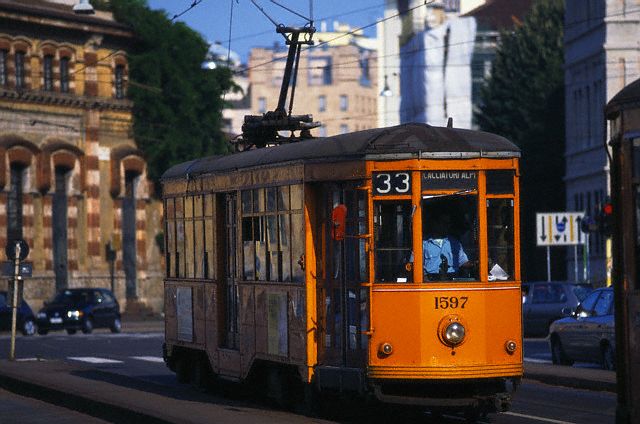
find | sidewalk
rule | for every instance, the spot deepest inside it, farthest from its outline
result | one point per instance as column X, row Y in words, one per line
column 142, row 324
column 122, row 399
column 578, row 378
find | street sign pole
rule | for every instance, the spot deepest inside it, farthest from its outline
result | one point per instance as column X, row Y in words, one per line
column 548, row 263
column 575, row 263
column 14, row 303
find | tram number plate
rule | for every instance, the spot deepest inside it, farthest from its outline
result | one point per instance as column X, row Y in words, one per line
column 451, row 302
column 392, row 183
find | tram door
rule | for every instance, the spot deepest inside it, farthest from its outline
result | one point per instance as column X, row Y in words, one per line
column 343, row 304
column 228, row 215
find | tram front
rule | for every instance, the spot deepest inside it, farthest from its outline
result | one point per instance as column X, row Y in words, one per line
column 445, row 309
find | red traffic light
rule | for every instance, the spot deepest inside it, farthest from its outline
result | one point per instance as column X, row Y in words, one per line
column 607, row 208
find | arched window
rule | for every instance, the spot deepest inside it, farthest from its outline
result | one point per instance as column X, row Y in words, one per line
column 4, row 53
column 47, row 72
column 64, row 74
column 20, row 71
column 119, row 81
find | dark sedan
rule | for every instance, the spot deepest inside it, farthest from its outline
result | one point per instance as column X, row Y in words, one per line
column 588, row 335
column 25, row 322
column 544, row 301
column 80, row 309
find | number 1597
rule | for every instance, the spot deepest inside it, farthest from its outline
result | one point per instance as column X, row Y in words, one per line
column 451, row 302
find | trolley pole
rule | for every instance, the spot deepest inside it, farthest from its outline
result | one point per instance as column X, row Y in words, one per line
column 14, row 303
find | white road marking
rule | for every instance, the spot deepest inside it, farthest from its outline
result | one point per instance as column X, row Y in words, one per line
column 537, row 361
column 94, row 360
column 149, row 358
column 533, row 417
column 29, row 359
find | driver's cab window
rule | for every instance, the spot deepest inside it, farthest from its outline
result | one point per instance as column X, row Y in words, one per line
column 450, row 237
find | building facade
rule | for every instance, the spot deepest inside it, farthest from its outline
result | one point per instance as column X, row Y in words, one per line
column 602, row 55
column 336, row 81
column 445, row 58
column 72, row 181
column 403, row 19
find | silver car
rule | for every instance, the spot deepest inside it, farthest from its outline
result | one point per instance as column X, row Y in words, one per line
column 588, row 335
column 544, row 301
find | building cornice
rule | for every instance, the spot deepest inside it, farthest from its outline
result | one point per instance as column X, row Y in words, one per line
column 54, row 17
column 62, row 99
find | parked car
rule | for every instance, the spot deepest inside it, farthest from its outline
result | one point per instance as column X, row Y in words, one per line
column 80, row 309
column 26, row 322
column 544, row 301
column 588, row 335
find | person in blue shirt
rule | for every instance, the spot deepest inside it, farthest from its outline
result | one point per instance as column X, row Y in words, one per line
column 443, row 254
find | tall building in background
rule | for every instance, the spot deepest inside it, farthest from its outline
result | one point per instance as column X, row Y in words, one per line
column 415, row 18
column 72, row 180
column 337, row 80
column 602, row 55
column 445, row 62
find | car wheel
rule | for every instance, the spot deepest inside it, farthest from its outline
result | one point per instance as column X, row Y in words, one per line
column 71, row 331
column 116, row 325
column 28, row 327
column 558, row 356
column 87, row 326
column 608, row 358
column 43, row 331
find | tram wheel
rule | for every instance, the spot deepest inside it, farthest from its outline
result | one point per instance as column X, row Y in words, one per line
column 472, row 414
column 183, row 372
column 200, row 373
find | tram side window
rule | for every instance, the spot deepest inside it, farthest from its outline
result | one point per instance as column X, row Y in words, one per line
column 189, row 250
column 393, row 241
column 273, row 234
column 500, row 239
column 450, row 238
column 170, row 237
column 180, row 239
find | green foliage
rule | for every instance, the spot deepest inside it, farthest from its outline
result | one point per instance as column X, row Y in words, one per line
column 177, row 105
column 524, row 101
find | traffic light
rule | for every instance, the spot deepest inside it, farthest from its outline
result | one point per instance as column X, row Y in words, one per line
column 605, row 219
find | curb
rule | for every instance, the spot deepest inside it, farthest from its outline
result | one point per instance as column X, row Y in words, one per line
column 92, row 407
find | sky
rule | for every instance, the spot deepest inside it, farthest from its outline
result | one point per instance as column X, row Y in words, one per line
column 250, row 28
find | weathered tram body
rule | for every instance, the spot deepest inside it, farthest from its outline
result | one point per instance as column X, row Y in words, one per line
column 305, row 263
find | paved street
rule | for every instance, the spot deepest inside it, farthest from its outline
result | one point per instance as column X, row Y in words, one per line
column 134, row 360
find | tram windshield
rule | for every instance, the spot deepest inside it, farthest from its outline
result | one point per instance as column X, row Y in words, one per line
column 450, row 237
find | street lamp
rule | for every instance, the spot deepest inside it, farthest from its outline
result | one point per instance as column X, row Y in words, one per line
column 386, row 91
column 83, row 7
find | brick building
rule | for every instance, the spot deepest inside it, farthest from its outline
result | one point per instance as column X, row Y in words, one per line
column 72, row 179
column 337, row 81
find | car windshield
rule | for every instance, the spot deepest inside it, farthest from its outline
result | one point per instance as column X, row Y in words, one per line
column 581, row 291
column 69, row 296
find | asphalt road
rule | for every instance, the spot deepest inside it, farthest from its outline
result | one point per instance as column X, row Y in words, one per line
column 137, row 357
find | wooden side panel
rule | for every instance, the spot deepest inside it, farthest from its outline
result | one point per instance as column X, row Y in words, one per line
column 212, row 336
column 247, row 325
column 170, row 323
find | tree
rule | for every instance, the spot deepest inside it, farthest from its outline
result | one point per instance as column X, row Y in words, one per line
column 523, row 100
column 177, row 104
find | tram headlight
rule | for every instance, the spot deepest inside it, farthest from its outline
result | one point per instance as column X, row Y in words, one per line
column 510, row 346
column 385, row 349
column 454, row 333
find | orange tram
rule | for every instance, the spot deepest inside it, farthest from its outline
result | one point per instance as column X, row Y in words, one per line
column 382, row 263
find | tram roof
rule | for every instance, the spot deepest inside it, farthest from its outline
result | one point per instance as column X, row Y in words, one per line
column 404, row 141
column 628, row 97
